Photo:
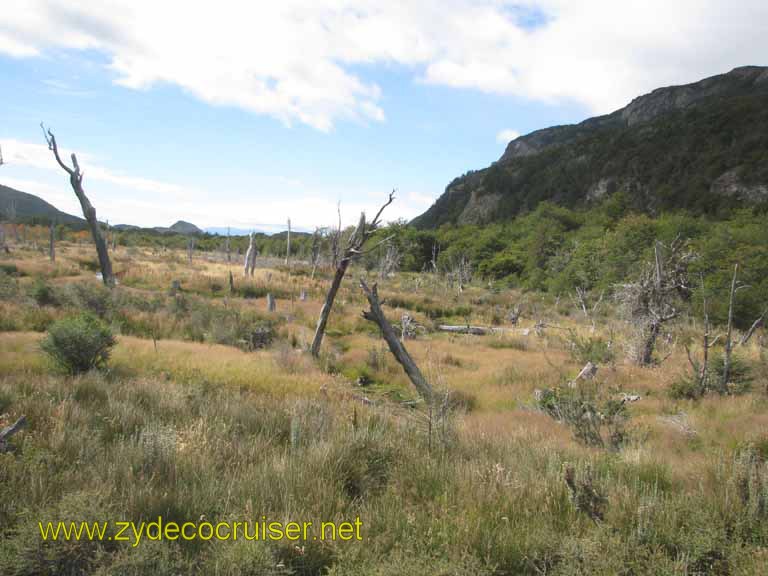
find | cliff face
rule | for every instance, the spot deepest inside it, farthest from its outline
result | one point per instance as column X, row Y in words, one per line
column 701, row 146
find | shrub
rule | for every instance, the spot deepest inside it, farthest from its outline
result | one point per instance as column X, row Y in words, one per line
column 79, row 343
column 42, row 293
column 594, row 419
column 595, row 350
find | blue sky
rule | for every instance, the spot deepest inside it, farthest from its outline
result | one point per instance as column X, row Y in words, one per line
column 250, row 114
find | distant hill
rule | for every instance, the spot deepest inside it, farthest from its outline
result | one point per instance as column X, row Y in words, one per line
column 181, row 227
column 28, row 206
column 701, row 147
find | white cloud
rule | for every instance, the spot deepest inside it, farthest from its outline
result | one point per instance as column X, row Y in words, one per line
column 123, row 198
column 295, row 59
column 506, row 136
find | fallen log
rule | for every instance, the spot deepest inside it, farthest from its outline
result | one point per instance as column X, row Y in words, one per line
column 9, row 431
column 467, row 329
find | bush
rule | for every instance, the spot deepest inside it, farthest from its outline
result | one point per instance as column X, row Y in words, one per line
column 42, row 293
column 78, row 344
column 595, row 350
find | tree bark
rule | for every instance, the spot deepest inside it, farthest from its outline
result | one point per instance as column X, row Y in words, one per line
column 755, row 325
column 650, row 343
column 288, row 245
column 376, row 315
column 76, row 181
column 325, row 312
column 728, row 342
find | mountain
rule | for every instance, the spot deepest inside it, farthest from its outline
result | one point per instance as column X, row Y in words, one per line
column 701, row 147
column 28, row 206
column 182, row 227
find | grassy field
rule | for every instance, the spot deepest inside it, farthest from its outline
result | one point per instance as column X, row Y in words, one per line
column 186, row 422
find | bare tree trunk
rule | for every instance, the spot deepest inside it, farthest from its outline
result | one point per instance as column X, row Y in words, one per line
column 76, row 181
column 250, row 258
column 650, row 343
column 271, row 306
column 288, row 245
column 231, row 283
column 325, row 312
column 52, row 243
column 376, row 315
column 190, row 249
column 728, row 342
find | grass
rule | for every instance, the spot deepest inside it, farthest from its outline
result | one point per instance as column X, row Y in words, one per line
column 184, row 424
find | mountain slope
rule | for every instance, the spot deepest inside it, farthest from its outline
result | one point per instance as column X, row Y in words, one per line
column 702, row 147
column 29, row 206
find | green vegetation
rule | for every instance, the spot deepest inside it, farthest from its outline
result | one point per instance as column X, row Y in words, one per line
column 79, row 344
column 555, row 249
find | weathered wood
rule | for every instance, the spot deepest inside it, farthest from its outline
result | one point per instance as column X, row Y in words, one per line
column 353, row 250
column 76, row 181
column 288, row 245
column 250, row 258
column 728, row 341
column 9, row 431
column 467, row 329
column 271, row 305
column 376, row 315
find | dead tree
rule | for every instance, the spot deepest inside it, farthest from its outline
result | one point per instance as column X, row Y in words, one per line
column 390, row 261
column 461, row 272
column 271, row 305
column 652, row 300
column 52, row 242
column 76, row 181
column 755, row 325
column 315, row 252
column 581, row 299
column 729, row 332
column 353, row 250
column 190, row 249
column 250, row 258
column 701, row 372
column 336, row 241
column 376, row 315
column 288, row 245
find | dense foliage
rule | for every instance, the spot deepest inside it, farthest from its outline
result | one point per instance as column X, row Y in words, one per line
column 557, row 249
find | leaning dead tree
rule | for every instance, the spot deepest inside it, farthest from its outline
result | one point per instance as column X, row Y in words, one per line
column 352, row 250
column 376, row 315
column 250, row 258
column 653, row 299
column 76, row 181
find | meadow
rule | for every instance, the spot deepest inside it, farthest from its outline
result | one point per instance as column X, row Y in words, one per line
column 190, row 420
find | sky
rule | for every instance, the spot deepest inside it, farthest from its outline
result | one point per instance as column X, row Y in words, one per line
column 247, row 113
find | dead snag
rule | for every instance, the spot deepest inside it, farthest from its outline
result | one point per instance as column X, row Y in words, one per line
column 76, row 181
column 376, row 315
column 652, row 299
column 353, row 250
